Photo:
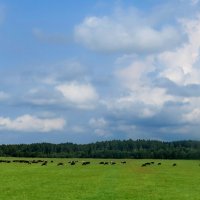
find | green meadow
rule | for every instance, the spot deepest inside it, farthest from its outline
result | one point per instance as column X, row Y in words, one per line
column 100, row 182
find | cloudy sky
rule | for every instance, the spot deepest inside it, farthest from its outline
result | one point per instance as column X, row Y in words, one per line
column 85, row 71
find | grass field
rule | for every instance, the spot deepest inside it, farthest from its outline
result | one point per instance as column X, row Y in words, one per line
column 94, row 181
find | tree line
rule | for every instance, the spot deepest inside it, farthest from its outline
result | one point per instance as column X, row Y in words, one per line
column 137, row 149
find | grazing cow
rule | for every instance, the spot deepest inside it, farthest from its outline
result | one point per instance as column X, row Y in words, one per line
column 174, row 165
column 123, row 162
column 73, row 163
column 159, row 163
column 101, row 163
column 112, row 163
column 44, row 163
column 85, row 163
column 59, row 164
column 148, row 163
column 145, row 164
column 105, row 163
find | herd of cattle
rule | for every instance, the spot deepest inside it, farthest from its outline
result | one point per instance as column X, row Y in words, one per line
column 45, row 162
column 74, row 162
column 153, row 163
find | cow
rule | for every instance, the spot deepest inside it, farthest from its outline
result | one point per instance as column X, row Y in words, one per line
column 159, row 163
column 123, row 162
column 85, row 163
column 174, row 165
column 73, row 163
column 145, row 164
column 44, row 163
column 59, row 164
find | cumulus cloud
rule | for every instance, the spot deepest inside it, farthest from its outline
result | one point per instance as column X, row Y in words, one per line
column 193, row 116
column 178, row 69
column 78, row 94
column 29, row 123
column 182, row 64
column 140, row 93
column 125, row 33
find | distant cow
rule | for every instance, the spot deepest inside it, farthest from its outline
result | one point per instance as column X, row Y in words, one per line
column 159, row 163
column 123, row 162
column 174, row 165
column 44, row 163
column 146, row 164
column 85, row 163
column 59, row 164
column 73, row 163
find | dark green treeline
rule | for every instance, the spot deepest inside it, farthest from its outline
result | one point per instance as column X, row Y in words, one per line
column 107, row 149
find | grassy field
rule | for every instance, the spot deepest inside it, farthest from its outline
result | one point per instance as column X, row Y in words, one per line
column 99, row 182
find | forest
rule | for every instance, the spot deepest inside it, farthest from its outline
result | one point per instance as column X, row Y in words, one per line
column 138, row 149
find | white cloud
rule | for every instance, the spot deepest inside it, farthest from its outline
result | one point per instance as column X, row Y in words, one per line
column 181, row 64
column 193, row 116
column 28, row 123
column 80, row 95
column 135, row 79
column 125, row 33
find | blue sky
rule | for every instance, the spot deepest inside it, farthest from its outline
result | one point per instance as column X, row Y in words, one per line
column 85, row 71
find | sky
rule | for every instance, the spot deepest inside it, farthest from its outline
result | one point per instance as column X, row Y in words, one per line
column 85, row 71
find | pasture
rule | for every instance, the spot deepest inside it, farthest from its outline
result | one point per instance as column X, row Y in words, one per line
column 94, row 181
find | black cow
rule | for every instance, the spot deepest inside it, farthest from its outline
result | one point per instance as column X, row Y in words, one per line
column 44, row 163
column 59, row 164
column 85, row 163
column 73, row 163
column 159, row 163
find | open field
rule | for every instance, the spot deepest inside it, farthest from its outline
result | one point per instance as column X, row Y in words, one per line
column 21, row 181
